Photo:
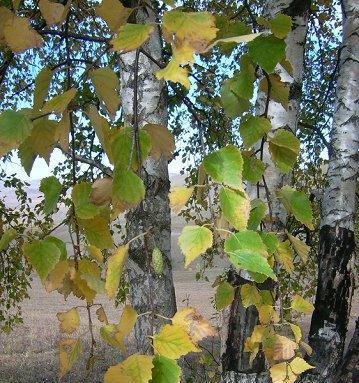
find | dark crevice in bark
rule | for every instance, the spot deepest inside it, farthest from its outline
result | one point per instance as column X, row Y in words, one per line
column 333, row 302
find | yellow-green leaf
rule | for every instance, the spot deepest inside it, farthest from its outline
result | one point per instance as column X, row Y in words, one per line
column 250, row 295
column 253, row 129
column 300, row 247
column 114, row 270
column 51, row 188
column 173, row 342
column 284, row 255
column 127, row 186
column 70, row 350
column 59, row 103
column 131, row 37
column 179, row 196
column 114, row 13
column 194, row 241
column 42, row 84
column 224, row 295
column 162, row 141
column 302, row 305
column 97, row 232
column 7, row 237
column 107, row 86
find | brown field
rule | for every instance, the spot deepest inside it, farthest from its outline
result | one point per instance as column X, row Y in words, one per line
column 29, row 354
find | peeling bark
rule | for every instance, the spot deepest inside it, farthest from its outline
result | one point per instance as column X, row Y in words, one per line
column 238, row 321
column 148, row 292
column 336, row 267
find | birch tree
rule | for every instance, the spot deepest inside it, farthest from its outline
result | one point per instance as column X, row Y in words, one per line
column 240, row 321
column 336, row 257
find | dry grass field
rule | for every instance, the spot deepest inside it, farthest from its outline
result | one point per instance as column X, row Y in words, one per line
column 29, row 354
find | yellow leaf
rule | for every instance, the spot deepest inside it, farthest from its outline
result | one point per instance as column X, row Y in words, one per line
column 300, row 247
column 127, row 321
column 55, row 279
column 69, row 352
column 284, row 348
column 306, row 347
column 5, row 15
column 62, row 131
column 301, row 305
column 162, row 141
column 250, row 295
column 267, row 314
column 179, row 196
column 19, row 36
column 106, row 86
column 114, row 270
column 195, row 29
column 53, row 13
column 101, row 191
column 299, row 365
column 135, row 369
column 95, row 253
column 297, row 332
column 281, row 373
column 69, row 321
column 173, row 342
column 284, row 255
column 59, row 103
column 101, row 315
column 194, row 241
column 131, row 37
column 194, row 323
column 114, row 13
column 234, row 39
column 175, row 73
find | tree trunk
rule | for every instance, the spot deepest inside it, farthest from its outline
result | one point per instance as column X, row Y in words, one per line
column 349, row 371
column 337, row 238
column 148, row 292
column 239, row 322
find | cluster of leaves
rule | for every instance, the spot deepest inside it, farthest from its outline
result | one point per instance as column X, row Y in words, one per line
column 237, row 225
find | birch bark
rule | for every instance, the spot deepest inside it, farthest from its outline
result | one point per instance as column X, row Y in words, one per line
column 336, row 267
column 148, row 292
column 239, row 322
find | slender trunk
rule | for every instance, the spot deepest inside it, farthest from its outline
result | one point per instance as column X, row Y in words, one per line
column 337, row 239
column 349, row 370
column 238, row 321
column 148, row 292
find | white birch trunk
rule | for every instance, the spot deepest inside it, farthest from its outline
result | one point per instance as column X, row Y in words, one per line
column 148, row 292
column 238, row 322
column 336, row 267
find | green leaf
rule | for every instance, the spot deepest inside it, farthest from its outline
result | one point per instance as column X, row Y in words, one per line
column 51, row 188
column 7, row 237
column 284, row 148
column 280, row 26
column 121, row 148
column 59, row 103
column 253, row 168
column 247, row 251
column 298, row 204
column 97, row 232
column 224, row 295
column 267, row 51
column 194, row 241
column 131, row 37
column 235, row 206
column 225, row 165
column 257, row 213
column 253, row 129
column 59, row 244
column 15, row 127
column 270, row 240
column 233, row 105
column 128, row 187
column 42, row 84
column 42, row 256
column 107, row 87
column 81, row 198
column 165, row 370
